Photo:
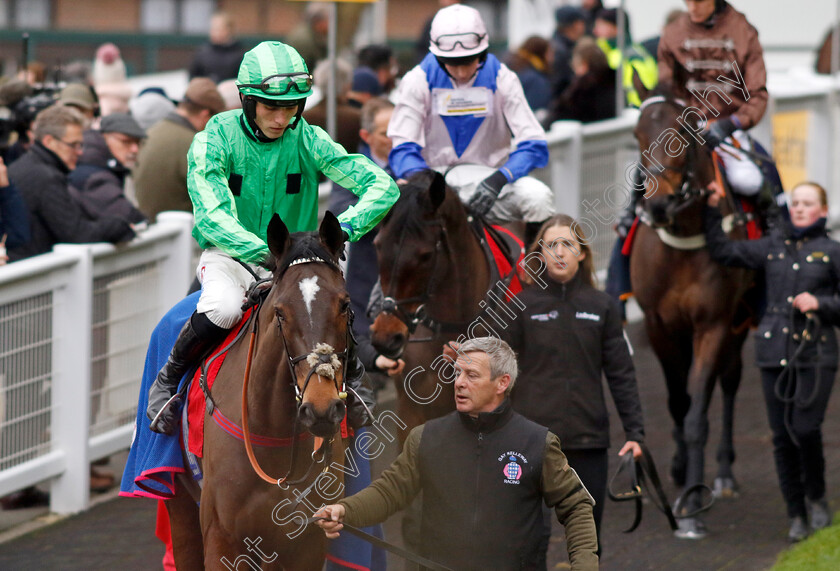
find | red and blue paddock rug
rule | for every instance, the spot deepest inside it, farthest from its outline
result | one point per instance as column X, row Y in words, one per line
column 154, row 458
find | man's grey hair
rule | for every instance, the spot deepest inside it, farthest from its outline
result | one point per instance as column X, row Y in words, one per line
column 502, row 358
column 343, row 76
column 371, row 109
column 54, row 121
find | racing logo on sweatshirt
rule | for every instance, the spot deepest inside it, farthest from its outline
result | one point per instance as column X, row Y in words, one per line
column 589, row 316
column 512, row 469
column 551, row 315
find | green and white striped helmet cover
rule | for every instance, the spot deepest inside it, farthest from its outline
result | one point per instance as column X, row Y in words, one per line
column 269, row 59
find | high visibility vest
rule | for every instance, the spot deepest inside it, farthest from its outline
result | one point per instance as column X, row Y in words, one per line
column 636, row 58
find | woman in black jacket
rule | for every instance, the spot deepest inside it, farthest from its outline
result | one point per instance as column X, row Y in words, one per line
column 567, row 336
column 795, row 344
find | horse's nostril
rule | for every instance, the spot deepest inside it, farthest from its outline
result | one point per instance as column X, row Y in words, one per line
column 398, row 341
column 307, row 415
column 337, row 411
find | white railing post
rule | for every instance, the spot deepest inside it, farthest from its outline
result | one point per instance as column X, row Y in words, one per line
column 72, row 311
column 177, row 269
column 565, row 172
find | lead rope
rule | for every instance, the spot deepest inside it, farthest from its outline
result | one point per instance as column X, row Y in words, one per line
column 246, row 432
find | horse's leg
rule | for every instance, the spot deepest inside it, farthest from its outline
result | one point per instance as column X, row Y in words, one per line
column 674, row 356
column 701, row 383
column 187, row 544
column 730, row 379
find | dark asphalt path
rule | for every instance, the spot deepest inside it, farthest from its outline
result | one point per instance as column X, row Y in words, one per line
column 745, row 534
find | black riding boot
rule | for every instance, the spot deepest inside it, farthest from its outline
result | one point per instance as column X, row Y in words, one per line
column 198, row 335
column 531, row 231
column 356, row 379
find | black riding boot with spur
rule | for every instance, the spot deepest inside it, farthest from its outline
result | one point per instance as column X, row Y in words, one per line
column 198, row 336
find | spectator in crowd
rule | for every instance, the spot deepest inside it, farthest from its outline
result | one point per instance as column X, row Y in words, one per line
column 348, row 117
column 230, row 94
column 636, row 58
column 472, row 518
column 364, row 87
column 421, row 48
column 590, row 11
column 220, row 57
column 160, row 179
column 309, row 37
column 531, row 63
column 41, row 176
column 652, row 44
column 150, row 106
column 110, row 80
column 381, row 60
column 795, row 345
column 98, row 181
column 34, row 74
column 14, row 217
column 591, row 96
column 488, row 123
column 571, row 26
column 567, row 336
column 81, row 97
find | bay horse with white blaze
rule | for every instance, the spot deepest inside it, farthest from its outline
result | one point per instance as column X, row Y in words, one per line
column 689, row 301
column 284, row 386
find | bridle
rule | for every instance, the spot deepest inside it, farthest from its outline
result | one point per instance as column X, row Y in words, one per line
column 323, row 362
column 688, row 189
column 420, row 316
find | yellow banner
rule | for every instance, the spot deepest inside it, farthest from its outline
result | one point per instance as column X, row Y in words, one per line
column 790, row 146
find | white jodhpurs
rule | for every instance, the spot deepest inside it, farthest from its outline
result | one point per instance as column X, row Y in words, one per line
column 742, row 173
column 224, row 283
column 526, row 198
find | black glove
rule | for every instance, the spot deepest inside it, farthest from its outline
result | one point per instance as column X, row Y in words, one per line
column 718, row 131
column 487, row 193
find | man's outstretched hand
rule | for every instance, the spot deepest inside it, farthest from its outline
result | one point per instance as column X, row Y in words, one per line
column 334, row 515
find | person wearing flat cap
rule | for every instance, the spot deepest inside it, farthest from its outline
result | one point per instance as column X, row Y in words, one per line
column 160, row 179
column 80, row 97
column 109, row 154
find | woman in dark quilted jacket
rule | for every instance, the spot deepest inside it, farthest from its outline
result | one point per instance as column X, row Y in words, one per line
column 795, row 344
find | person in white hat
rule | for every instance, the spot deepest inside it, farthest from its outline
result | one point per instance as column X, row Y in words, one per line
column 460, row 105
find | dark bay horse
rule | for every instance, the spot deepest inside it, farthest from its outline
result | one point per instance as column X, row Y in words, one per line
column 295, row 364
column 434, row 275
column 689, row 301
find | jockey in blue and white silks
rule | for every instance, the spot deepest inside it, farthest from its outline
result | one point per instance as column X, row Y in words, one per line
column 461, row 106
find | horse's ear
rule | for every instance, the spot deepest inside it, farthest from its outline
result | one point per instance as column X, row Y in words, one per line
column 640, row 88
column 278, row 237
column 332, row 236
column 437, row 190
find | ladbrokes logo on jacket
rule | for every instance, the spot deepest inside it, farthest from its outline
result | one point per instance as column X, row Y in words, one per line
column 589, row 316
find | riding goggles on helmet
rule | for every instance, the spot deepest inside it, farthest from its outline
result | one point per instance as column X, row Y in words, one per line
column 282, row 83
column 450, row 42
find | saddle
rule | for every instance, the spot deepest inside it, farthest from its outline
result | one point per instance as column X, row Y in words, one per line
column 504, row 251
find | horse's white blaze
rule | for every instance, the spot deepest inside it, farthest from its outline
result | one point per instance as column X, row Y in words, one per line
column 309, row 288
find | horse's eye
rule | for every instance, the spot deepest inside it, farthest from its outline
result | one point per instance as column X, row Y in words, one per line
column 281, row 315
column 424, row 256
column 345, row 306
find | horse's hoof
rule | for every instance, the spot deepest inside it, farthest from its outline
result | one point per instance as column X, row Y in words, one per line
column 691, row 528
column 725, row 489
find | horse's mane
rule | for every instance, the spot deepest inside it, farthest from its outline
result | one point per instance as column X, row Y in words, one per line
column 408, row 213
